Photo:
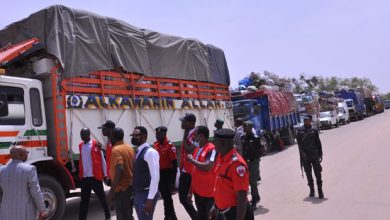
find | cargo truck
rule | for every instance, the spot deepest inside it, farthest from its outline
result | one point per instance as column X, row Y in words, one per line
column 355, row 103
column 58, row 83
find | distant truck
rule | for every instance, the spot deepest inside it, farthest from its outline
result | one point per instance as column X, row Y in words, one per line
column 379, row 104
column 273, row 113
column 355, row 103
column 308, row 104
column 368, row 99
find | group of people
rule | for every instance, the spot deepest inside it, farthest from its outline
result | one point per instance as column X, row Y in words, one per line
column 216, row 174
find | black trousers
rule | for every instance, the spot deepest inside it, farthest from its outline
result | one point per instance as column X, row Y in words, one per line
column 87, row 185
column 203, row 204
column 124, row 204
column 165, row 191
column 184, row 188
column 231, row 214
column 315, row 165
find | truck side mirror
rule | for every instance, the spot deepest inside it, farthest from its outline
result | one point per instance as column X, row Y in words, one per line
column 3, row 105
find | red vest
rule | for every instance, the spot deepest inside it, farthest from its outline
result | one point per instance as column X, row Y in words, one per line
column 203, row 181
column 97, row 161
column 108, row 155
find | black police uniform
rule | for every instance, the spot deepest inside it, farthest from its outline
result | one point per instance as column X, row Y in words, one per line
column 310, row 150
column 251, row 152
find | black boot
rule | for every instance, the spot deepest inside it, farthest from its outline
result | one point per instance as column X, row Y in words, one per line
column 311, row 191
column 320, row 193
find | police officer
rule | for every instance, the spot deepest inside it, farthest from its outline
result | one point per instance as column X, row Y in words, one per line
column 251, row 152
column 310, row 150
column 168, row 169
column 231, row 186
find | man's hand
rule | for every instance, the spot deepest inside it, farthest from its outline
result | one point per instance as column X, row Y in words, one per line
column 99, row 145
column 148, row 207
column 42, row 215
column 189, row 157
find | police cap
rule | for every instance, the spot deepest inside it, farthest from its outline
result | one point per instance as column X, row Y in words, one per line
column 224, row 133
column 249, row 122
column 307, row 117
column 161, row 129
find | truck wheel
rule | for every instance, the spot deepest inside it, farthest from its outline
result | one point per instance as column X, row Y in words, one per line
column 337, row 124
column 53, row 196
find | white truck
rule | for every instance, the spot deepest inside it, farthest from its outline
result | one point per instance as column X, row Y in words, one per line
column 343, row 115
column 44, row 111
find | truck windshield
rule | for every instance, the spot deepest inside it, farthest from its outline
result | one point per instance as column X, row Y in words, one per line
column 349, row 103
column 324, row 114
column 242, row 110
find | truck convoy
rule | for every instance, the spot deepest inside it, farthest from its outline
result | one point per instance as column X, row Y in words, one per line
column 67, row 69
column 273, row 113
column 355, row 103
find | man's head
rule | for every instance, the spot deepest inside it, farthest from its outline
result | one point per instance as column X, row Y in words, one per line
column 107, row 128
column 161, row 133
column 223, row 140
column 307, row 121
column 85, row 135
column 219, row 123
column 248, row 127
column 188, row 121
column 18, row 153
column 139, row 136
column 203, row 134
column 238, row 122
column 116, row 136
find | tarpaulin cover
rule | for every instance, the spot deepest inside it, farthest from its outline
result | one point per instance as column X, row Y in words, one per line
column 279, row 102
column 85, row 42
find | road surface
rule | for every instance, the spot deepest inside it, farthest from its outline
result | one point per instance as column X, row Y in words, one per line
column 356, row 175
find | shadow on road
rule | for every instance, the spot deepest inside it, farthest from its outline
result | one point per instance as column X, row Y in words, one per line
column 315, row 200
column 261, row 210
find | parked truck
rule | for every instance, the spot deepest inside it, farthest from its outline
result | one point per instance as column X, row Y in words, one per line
column 308, row 104
column 57, row 83
column 368, row 100
column 355, row 103
column 379, row 104
column 273, row 113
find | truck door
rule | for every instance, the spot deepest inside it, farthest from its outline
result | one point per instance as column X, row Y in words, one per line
column 13, row 125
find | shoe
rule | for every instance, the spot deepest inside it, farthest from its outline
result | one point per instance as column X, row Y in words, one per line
column 320, row 193
column 311, row 192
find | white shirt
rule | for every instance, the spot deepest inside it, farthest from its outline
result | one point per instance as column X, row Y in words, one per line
column 152, row 158
column 87, row 160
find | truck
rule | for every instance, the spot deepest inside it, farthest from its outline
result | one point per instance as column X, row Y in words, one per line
column 273, row 113
column 379, row 106
column 328, row 110
column 368, row 99
column 343, row 112
column 53, row 85
column 308, row 104
column 355, row 103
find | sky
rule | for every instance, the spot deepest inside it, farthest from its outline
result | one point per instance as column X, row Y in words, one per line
column 342, row 38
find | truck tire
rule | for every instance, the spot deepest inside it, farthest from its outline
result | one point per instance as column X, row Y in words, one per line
column 53, row 196
column 337, row 124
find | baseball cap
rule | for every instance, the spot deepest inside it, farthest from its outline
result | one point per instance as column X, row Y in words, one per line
column 107, row 124
column 188, row 117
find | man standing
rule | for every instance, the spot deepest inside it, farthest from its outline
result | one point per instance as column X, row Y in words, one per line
column 232, row 182
column 106, row 131
column 22, row 198
column 122, row 169
column 239, row 132
column 92, row 170
column 203, row 176
column 168, row 169
column 146, row 175
column 188, row 124
column 251, row 152
column 310, row 151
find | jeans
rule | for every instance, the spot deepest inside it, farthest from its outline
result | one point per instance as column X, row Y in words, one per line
column 140, row 198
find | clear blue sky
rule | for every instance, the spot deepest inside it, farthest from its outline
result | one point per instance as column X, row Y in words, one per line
column 327, row 38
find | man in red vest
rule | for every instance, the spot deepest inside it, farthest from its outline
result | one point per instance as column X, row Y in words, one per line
column 203, row 175
column 92, row 171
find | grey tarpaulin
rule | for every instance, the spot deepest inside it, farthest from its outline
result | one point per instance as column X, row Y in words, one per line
column 85, row 42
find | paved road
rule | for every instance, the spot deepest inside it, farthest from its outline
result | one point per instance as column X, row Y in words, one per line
column 356, row 178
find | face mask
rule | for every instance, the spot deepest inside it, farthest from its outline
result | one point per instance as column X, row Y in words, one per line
column 135, row 141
